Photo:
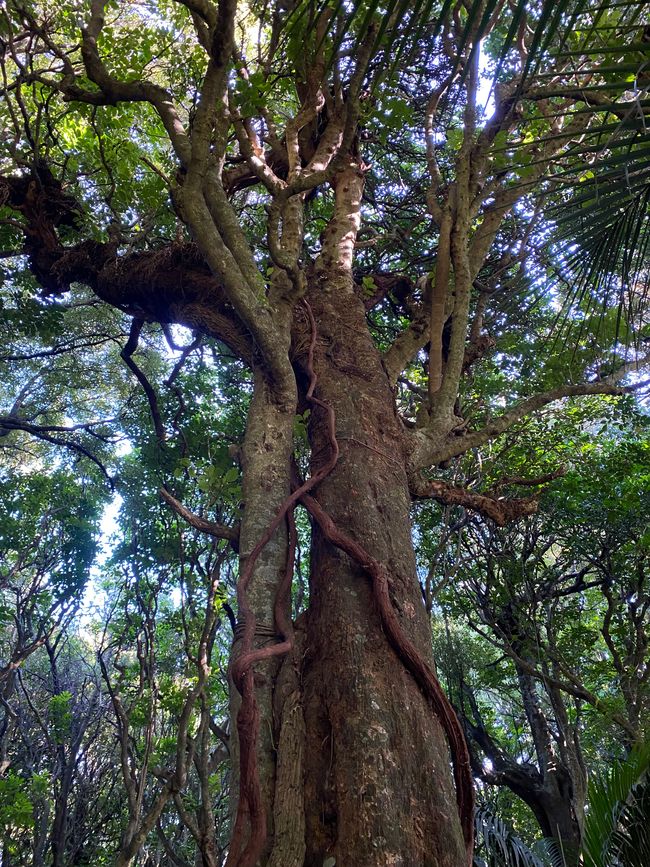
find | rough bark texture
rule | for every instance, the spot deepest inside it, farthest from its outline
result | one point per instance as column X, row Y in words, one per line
column 377, row 787
column 289, row 803
column 266, row 461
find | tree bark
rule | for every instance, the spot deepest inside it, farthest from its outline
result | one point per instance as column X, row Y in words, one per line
column 553, row 801
column 266, row 463
column 377, row 785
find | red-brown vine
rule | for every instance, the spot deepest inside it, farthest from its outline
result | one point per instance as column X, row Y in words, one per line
column 413, row 661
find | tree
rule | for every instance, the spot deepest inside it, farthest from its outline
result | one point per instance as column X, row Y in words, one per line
column 551, row 680
column 45, row 554
column 156, row 663
column 615, row 831
column 59, row 751
column 317, row 192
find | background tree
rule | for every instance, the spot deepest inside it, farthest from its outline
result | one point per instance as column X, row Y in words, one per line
column 557, row 678
column 46, row 550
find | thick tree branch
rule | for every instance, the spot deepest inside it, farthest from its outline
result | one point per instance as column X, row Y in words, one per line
column 113, row 91
column 521, row 481
column 219, row 531
column 523, row 778
column 501, row 510
column 429, row 451
column 409, row 341
column 203, row 8
column 146, row 285
column 220, row 237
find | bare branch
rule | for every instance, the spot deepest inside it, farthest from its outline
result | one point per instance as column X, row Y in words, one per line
column 152, row 398
column 520, row 481
column 572, row 688
column 42, row 432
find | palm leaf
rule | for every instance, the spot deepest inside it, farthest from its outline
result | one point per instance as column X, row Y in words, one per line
column 617, row 828
column 498, row 844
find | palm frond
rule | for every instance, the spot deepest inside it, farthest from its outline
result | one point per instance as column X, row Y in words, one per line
column 497, row 844
column 617, row 828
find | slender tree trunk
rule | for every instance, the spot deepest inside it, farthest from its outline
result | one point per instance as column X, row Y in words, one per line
column 266, row 463
column 60, row 822
column 553, row 810
column 41, row 813
column 553, row 801
column 137, row 832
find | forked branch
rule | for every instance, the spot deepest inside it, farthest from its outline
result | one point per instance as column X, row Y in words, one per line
column 428, row 451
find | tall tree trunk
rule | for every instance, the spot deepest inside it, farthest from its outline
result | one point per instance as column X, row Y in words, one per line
column 354, row 766
column 378, row 789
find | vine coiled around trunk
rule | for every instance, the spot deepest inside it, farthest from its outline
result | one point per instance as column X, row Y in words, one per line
column 413, row 661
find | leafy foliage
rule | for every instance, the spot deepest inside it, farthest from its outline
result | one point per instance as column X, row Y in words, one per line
column 616, row 830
